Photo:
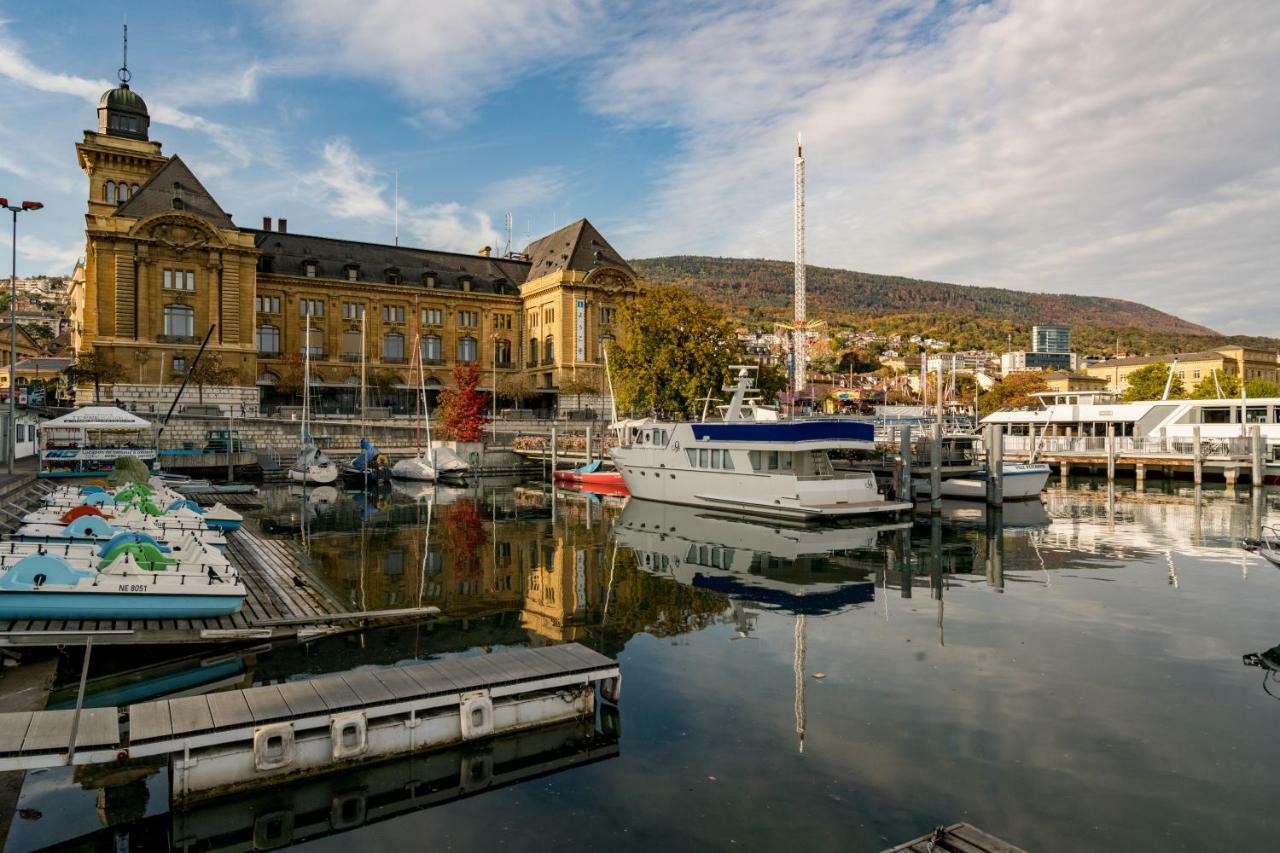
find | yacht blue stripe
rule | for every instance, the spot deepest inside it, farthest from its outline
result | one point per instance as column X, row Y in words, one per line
column 786, row 431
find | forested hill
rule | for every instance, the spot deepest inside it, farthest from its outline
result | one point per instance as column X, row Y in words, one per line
column 763, row 289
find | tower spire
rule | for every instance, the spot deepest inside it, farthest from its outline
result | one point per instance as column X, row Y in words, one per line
column 123, row 73
column 800, row 338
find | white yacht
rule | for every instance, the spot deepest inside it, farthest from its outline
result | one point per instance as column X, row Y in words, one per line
column 1079, row 420
column 751, row 461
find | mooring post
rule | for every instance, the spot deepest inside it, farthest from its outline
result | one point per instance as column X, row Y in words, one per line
column 907, row 493
column 554, row 450
column 904, row 546
column 1140, row 474
column 1255, row 436
column 995, row 549
column 588, row 444
column 1197, row 457
column 1111, row 452
column 75, row 719
column 995, row 469
column 935, row 470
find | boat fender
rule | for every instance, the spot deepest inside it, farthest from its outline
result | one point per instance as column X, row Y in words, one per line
column 476, row 711
column 611, row 688
column 273, row 746
column 476, row 771
column 347, row 811
column 349, row 734
column 273, row 830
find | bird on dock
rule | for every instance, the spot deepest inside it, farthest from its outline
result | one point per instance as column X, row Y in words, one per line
column 214, row 577
column 299, row 582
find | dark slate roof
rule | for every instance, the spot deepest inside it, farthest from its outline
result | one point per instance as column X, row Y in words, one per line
column 289, row 253
column 172, row 181
column 1208, row 355
column 578, row 246
column 53, row 365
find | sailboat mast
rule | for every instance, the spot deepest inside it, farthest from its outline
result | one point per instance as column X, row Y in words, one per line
column 364, row 350
column 306, row 378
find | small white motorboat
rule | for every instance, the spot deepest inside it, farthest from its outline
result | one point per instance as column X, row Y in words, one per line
column 1023, row 481
column 1267, row 547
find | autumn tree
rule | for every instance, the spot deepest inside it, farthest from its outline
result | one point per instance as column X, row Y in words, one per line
column 210, row 370
column 94, row 367
column 579, row 385
column 1261, row 388
column 462, row 407
column 1013, row 391
column 516, row 387
column 674, row 347
column 1147, row 383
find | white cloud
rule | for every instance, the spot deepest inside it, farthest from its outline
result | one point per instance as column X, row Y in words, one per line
column 348, row 187
column 38, row 253
column 451, row 227
column 443, row 56
column 537, row 189
column 1116, row 149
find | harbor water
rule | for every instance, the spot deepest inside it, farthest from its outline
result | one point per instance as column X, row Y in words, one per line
column 1076, row 675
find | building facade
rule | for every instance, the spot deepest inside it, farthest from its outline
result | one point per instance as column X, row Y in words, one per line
column 1022, row 361
column 1051, row 338
column 165, row 266
column 1192, row 367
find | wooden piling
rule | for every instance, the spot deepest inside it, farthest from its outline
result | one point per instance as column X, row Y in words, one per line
column 1111, row 453
column 906, row 493
column 1197, row 457
column 1255, row 439
column 589, row 457
column 555, row 449
column 935, row 470
column 995, row 465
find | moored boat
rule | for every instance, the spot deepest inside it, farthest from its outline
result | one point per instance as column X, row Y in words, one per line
column 592, row 474
column 1021, row 481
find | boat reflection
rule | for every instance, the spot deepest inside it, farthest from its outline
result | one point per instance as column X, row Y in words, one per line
column 800, row 570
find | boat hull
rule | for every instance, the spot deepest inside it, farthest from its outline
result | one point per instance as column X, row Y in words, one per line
column 319, row 475
column 1020, row 483
column 52, row 604
column 599, row 478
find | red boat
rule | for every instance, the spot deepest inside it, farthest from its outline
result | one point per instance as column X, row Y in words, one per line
column 592, row 475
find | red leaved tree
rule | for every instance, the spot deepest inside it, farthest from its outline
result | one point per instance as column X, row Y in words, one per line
column 462, row 407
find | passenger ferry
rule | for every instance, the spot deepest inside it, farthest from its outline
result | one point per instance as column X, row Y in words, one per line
column 751, row 461
column 1078, row 420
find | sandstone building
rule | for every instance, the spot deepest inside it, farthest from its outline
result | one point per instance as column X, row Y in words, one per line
column 165, row 264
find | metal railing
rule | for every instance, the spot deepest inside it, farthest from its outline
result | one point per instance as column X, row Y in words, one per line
column 1211, row 447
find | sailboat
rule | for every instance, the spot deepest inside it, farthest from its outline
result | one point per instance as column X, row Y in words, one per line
column 432, row 463
column 311, row 466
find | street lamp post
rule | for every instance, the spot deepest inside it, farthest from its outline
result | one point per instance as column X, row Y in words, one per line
column 12, row 441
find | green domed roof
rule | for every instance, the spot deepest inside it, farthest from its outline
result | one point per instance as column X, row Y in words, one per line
column 123, row 99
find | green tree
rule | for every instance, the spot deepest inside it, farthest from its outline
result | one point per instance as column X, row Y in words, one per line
column 515, row 387
column 1012, row 391
column 210, row 370
column 1261, row 388
column 1228, row 385
column 94, row 367
column 1147, row 383
column 672, row 349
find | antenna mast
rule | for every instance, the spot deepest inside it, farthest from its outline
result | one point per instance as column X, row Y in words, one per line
column 507, row 250
column 123, row 73
column 800, row 339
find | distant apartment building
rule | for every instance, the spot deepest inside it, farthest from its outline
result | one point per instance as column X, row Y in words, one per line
column 1021, row 361
column 1192, row 367
column 1051, row 338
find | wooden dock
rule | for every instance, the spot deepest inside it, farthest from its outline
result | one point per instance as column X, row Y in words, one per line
column 260, row 735
column 957, row 838
column 284, row 601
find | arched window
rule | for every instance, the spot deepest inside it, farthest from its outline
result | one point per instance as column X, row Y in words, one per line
column 179, row 320
column 269, row 340
column 502, row 352
column 266, row 377
column 466, row 349
column 549, row 350
column 533, row 351
column 431, row 349
column 393, row 347
column 133, row 190
column 109, row 192
column 122, row 192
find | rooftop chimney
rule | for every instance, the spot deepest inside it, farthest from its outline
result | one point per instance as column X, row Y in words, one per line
column 284, row 225
column 266, row 223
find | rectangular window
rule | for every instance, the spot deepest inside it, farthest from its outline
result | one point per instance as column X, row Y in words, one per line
column 502, row 321
column 693, row 456
column 704, row 458
column 468, row 319
column 772, row 459
column 393, row 313
column 548, row 315
column 753, row 456
column 606, row 315
column 179, row 280
column 179, row 364
column 786, row 461
column 432, row 317
column 728, row 461
column 311, row 307
column 715, row 459
column 352, row 273
column 352, row 310
column 267, row 304
column 533, row 319
column 1195, row 374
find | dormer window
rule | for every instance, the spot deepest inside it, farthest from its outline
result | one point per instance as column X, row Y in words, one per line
column 466, row 284
column 391, row 275
column 429, row 280
column 309, row 268
column 353, row 272
column 177, row 204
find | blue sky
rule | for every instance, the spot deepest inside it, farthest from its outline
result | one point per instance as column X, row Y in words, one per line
column 1127, row 149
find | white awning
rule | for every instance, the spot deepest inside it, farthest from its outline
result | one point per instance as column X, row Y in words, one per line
column 98, row 417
